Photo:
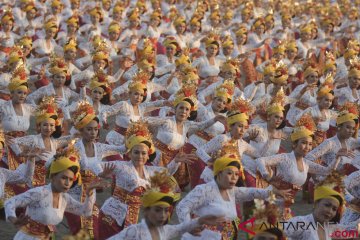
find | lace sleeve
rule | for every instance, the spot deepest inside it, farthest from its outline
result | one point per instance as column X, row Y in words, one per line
column 319, row 151
column 78, row 208
column 263, row 162
column 107, row 149
column 244, row 194
column 22, row 200
column 172, row 231
column 212, row 146
column 193, row 200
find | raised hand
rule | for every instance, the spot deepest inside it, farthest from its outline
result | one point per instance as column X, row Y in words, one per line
column 107, row 170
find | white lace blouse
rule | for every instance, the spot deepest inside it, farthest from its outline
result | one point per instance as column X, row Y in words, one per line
column 10, row 121
column 39, row 206
column 206, row 199
column 23, row 174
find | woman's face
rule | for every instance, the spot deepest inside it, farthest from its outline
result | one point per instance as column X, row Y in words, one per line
column 70, row 55
column 136, row 97
column 47, row 127
column 212, row 50
column 139, row 154
column 59, row 79
column 260, row 29
column 99, row 64
column 241, row 39
column 90, row 131
column 18, row 96
column 170, row 51
column 95, row 19
column 228, row 50
column 326, row 101
column 325, row 210
column 31, row 14
column 194, row 28
column 97, row 94
column 62, row 181
column 180, row 28
column 303, row 146
column 157, row 215
column 50, row 33
column 354, row 82
column 346, row 130
column 219, row 104
column 71, row 28
column 114, row 35
column 238, row 129
column 228, row 178
column 182, row 111
column 7, row 26
column 313, row 78
column 291, row 53
column 275, row 120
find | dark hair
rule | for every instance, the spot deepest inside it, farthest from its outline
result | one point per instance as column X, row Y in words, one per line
column 57, row 133
column 68, row 80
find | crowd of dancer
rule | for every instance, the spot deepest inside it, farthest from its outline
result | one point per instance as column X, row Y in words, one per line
column 208, row 112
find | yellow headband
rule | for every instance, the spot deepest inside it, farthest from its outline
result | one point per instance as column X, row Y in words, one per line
column 63, row 163
column 300, row 132
column 134, row 140
column 322, row 192
column 239, row 117
column 223, row 163
column 155, row 198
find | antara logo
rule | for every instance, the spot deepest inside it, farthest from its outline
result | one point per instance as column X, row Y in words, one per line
column 248, row 227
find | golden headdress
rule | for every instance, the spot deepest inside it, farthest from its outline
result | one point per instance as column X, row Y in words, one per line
column 8, row 16
column 57, row 3
column 58, row 65
column 267, row 216
column 240, row 111
column 281, row 74
column 354, row 67
column 304, row 127
column 16, row 54
column 179, row 21
column 83, row 115
column 348, row 112
column 50, row 23
column 161, row 191
column 73, row 20
column 277, row 103
column 100, row 79
column 48, row 109
column 225, row 90
column 25, row 41
column 231, row 65
column 136, row 133
column 187, row 94
column 70, row 45
column 139, row 81
column 227, row 157
column 65, row 159
column 18, row 79
column 327, row 87
column 97, row 11
column 114, row 27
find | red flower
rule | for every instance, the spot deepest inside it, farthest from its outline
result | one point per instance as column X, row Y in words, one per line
column 141, row 133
